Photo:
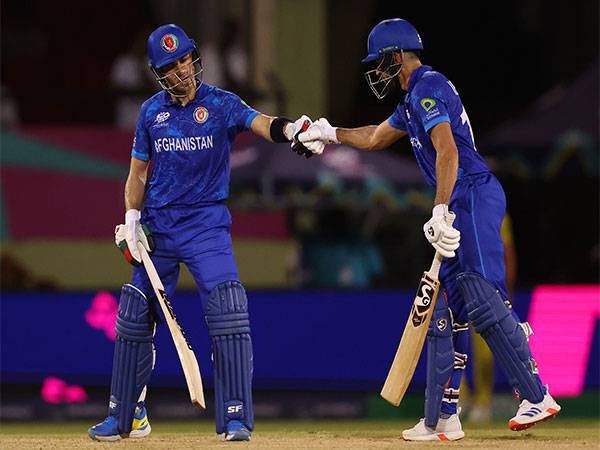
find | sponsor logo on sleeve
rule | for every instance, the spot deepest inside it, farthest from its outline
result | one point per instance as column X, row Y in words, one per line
column 427, row 103
column 430, row 107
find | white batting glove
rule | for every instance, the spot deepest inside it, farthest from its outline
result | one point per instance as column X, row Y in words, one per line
column 322, row 131
column 316, row 147
column 440, row 233
column 134, row 234
column 294, row 129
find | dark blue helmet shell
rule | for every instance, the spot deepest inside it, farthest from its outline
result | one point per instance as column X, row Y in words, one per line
column 392, row 35
column 167, row 44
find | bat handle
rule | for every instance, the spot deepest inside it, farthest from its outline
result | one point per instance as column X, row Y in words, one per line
column 434, row 270
column 150, row 270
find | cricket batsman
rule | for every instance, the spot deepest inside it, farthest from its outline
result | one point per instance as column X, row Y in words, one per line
column 186, row 130
column 473, row 271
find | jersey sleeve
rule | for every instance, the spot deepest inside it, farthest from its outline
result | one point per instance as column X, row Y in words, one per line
column 240, row 114
column 141, row 142
column 430, row 106
column 397, row 120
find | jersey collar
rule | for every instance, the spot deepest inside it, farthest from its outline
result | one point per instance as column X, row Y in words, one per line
column 416, row 76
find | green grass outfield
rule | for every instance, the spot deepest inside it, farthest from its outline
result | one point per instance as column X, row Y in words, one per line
column 354, row 434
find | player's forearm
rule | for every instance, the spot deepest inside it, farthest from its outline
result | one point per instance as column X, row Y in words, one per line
column 264, row 127
column 446, row 171
column 361, row 138
column 134, row 192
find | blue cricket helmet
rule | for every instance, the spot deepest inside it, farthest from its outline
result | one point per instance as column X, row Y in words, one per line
column 167, row 44
column 392, row 35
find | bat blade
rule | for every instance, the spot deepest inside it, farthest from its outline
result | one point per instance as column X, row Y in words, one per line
column 413, row 338
column 188, row 360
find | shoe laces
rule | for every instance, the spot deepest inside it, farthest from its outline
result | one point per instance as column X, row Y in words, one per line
column 524, row 406
column 109, row 420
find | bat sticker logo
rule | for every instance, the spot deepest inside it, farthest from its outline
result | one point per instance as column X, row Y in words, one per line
column 163, row 294
column 425, row 297
column 422, row 303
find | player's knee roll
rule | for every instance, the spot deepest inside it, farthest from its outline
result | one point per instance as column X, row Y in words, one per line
column 134, row 320
column 227, row 310
column 485, row 307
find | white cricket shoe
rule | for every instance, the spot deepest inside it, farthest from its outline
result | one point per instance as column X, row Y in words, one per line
column 448, row 429
column 529, row 414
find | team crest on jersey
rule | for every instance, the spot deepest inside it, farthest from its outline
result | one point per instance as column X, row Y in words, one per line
column 201, row 114
column 427, row 103
column 169, row 43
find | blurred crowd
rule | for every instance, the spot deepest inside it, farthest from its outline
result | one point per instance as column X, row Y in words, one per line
column 355, row 234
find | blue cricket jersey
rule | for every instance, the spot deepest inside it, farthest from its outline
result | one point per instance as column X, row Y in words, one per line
column 432, row 99
column 189, row 146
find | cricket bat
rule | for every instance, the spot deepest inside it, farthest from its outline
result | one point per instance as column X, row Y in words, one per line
column 191, row 370
column 413, row 338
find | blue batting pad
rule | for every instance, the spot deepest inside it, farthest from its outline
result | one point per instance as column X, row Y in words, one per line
column 440, row 361
column 229, row 329
column 134, row 358
column 494, row 321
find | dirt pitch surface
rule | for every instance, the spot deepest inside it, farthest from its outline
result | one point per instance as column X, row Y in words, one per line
column 557, row 434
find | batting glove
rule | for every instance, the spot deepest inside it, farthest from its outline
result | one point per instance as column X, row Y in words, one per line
column 128, row 235
column 440, row 233
column 320, row 131
column 294, row 129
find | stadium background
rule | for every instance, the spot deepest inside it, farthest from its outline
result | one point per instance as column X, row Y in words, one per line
column 330, row 249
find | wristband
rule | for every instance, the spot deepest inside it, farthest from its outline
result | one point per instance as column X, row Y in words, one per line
column 276, row 129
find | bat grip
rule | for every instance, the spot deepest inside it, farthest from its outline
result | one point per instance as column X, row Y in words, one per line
column 150, row 270
column 434, row 270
